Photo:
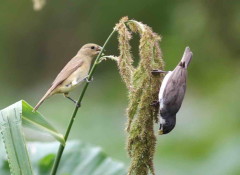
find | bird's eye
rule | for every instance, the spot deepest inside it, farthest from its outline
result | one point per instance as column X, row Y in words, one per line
column 92, row 47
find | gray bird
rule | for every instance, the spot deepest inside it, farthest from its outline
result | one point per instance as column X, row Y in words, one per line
column 172, row 92
column 73, row 73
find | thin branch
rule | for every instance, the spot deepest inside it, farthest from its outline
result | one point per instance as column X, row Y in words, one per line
column 62, row 147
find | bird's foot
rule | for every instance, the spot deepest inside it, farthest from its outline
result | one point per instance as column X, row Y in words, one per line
column 87, row 80
column 157, row 72
column 78, row 105
column 155, row 103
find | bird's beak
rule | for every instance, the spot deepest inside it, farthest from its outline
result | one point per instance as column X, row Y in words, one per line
column 160, row 132
column 99, row 48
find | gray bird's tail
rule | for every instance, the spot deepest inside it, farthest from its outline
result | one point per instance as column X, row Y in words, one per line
column 42, row 100
column 187, row 57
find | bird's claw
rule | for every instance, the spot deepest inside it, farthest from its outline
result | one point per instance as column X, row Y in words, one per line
column 155, row 103
column 87, row 80
column 78, row 105
column 157, row 72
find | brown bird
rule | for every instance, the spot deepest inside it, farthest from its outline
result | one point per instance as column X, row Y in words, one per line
column 73, row 73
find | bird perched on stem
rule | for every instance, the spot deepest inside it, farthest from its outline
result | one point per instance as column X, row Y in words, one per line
column 75, row 72
column 172, row 92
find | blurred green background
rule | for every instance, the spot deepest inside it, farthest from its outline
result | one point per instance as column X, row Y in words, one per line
column 34, row 46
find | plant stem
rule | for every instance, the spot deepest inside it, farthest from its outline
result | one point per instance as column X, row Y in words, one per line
column 62, row 147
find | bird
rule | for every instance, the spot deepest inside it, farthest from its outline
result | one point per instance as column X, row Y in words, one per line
column 172, row 92
column 73, row 74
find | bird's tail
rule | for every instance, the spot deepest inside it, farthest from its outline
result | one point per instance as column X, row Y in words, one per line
column 187, row 57
column 42, row 100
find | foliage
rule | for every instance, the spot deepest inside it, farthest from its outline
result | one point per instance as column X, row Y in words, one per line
column 12, row 136
column 143, row 89
column 69, row 127
column 11, row 119
column 79, row 158
column 208, row 121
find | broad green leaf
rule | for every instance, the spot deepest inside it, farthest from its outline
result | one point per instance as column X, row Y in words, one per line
column 13, row 139
column 78, row 158
column 11, row 120
column 36, row 120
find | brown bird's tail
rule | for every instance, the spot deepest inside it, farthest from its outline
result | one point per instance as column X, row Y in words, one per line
column 187, row 57
column 42, row 99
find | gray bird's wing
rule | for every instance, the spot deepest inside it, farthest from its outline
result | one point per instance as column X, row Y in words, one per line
column 71, row 66
column 174, row 92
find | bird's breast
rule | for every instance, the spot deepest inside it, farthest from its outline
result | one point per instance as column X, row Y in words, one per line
column 163, row 86
column 74, row 79
column 79, row 75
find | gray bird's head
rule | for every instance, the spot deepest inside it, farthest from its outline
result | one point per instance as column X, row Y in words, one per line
column 167, row 124
column 90, row 50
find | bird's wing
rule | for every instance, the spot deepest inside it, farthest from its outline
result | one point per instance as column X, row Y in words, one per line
column 71, row 66
column 175, row 89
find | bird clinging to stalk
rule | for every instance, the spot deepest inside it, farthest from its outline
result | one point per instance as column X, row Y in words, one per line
column 75, row 71
column 172, row 92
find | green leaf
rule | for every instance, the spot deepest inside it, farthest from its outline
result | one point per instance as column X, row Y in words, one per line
column 36, row 120
column 11, row 120
column 11, row 132
column 78, row 158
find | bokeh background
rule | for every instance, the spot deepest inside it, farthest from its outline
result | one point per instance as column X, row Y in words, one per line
column 34, row 46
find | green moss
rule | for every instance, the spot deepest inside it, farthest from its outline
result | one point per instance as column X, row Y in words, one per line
column 143, row 90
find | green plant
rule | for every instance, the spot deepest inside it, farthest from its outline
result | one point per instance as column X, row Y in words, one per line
column 11, row 120
column 143, row 90
column 40, row 157
column 62, row 147
column 79, row 158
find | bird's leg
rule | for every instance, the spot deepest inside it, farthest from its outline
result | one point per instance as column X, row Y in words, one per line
column 74, row 101
column 155, row 103
column 87, row 80
column 157, row 72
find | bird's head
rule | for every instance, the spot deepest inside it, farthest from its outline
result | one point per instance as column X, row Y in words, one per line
column 90, row 50
column 167, row 124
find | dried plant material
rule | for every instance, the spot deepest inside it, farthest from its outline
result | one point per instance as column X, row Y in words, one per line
column 38, row 4
column 143, row 90
column 105, row 57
